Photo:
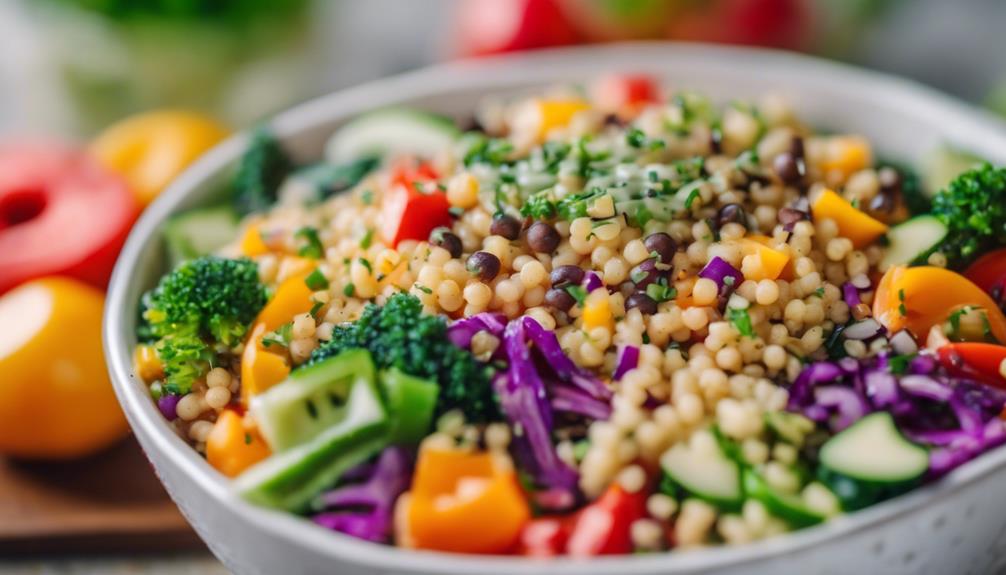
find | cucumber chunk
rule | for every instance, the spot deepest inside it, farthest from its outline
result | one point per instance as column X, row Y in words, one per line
column 391, row 131
column 792, row 428
column 411, row 402
column 702, row 469
column 199, row 232
column 314, row 399
column 790, row 507
column 871, row 461
column 912, row 241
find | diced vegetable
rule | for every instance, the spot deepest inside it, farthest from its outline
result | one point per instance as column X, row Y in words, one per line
column 231, row 447
column 944, row 164
column 788, row 506
column 292, row 297
column 260, row 367
column 852, row 223
column 984, row 362
column 597, row 311
column 989, row 273
column 846, row 155
column 604, row 526
column 701, row 468
column 761, row 261
column 919, row 298
column 465, row 503
column 871, row 461
column 199, row 232
column 312, row 399
column 411, row 402
column 391, row 132
column 912, row 241
column 792, row 428
column 411, row 213
column 291, row 478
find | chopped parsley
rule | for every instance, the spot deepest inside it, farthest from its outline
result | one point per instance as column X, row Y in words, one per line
column 899, row 363
column 315, row 308
column 368, row 238
column 348, row 290
column 366, row 263
column 312, row 247
column 819, row 292
column 422, row 288
column 660, row 291
column 740, row 319
column 316, row 281
column 578, row 293
column 901, row 306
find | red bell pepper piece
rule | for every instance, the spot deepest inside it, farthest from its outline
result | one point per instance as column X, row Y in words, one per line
column 979, row 361
column 603, row 527
column 989, row 273
column 545, row 536
column 413, row 206
column 625, row 93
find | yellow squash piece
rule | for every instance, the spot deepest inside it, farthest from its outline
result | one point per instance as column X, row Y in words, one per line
column 852, row 223
column 252, row 243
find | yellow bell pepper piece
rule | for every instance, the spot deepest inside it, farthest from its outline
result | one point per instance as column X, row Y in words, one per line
column 260, row 367
column 761, row 261
column 462, row 502
column 292, row 297
column 557, row 113
column 150, row 150
column 846, row 155
column 852, row 223
column 252, row 243
column 148, row 366
column 597, row 311
column 919, row 298
column 231, row 448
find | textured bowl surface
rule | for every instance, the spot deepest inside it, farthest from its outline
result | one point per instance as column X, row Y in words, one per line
column 955, row 526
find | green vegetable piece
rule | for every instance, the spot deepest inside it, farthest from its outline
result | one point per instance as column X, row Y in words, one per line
column 973, row 208
column 411, row 402
column 788, row 506
column 262, row 169
column 199, row 232
column 701, row 468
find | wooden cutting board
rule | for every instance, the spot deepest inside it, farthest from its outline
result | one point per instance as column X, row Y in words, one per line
column 109, row 503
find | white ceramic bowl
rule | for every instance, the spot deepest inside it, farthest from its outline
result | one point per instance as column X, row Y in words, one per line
column 957, row 525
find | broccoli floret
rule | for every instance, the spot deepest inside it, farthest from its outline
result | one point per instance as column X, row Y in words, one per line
column 398, row 334
column 203, row 302
column 973, row 207
column 260, row 173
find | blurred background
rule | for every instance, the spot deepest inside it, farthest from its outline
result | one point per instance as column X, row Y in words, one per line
column 80, row 71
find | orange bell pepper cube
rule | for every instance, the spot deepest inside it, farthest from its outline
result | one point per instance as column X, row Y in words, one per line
column 597, row 310
column 846, row 155
column 463, row 502
column 557, row 113
column 260, row 367
column 148, row 365
column 252, row 243
column 919, row 298
column 852, row 223
column 413, row 205
column 231, row 448
column 603, row 527
column 292, row 297
column 762, row 261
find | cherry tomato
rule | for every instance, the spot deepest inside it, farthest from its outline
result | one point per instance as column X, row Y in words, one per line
column 60, row 214
column 989, row 273
column 56, row 400
column 152, row 149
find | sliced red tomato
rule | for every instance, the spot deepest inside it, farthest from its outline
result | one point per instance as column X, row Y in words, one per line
column 493, row 26
column 989, row 273
column 603, row 527
column 60, row 214
column 413, row 206
column 980, row 361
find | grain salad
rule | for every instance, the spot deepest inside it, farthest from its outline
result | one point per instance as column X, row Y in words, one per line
column 609, row 319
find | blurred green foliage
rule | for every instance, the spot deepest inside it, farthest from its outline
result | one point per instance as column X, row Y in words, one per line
column 221, row 10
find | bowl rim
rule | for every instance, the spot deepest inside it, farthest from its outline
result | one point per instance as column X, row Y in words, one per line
column 979, row 129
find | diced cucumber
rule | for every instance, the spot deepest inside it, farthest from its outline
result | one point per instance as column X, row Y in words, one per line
column 871, row 461
column 314, row 399
column 702, row 469
column 790, row 427
column 912, row 241
column 787, row 506
column 291, row 479
column 320, row 181
column 199, row 232
column 411, row 402
column 391, row 131
column 943, row 165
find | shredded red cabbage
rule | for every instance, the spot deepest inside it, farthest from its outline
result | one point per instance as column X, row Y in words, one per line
column 719, row 270
column 850, row 294
column 628, row 359
column 364, row 510
column 957, row 418
column 592, row 281
column 461, row 332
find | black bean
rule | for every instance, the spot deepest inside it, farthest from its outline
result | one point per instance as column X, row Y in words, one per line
column 662, row 245
column 446, row 239
column 646, row 304
column 645, row 273
column 543, row 238
column 731, row 213
column 890, row 180
column 563, row 276
column 559, row 299
column 882, row 203
column 716, row 140
column 796, row 147
column 789, row 168
column 484, row 265
column 788, row 217
column 506, row 226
